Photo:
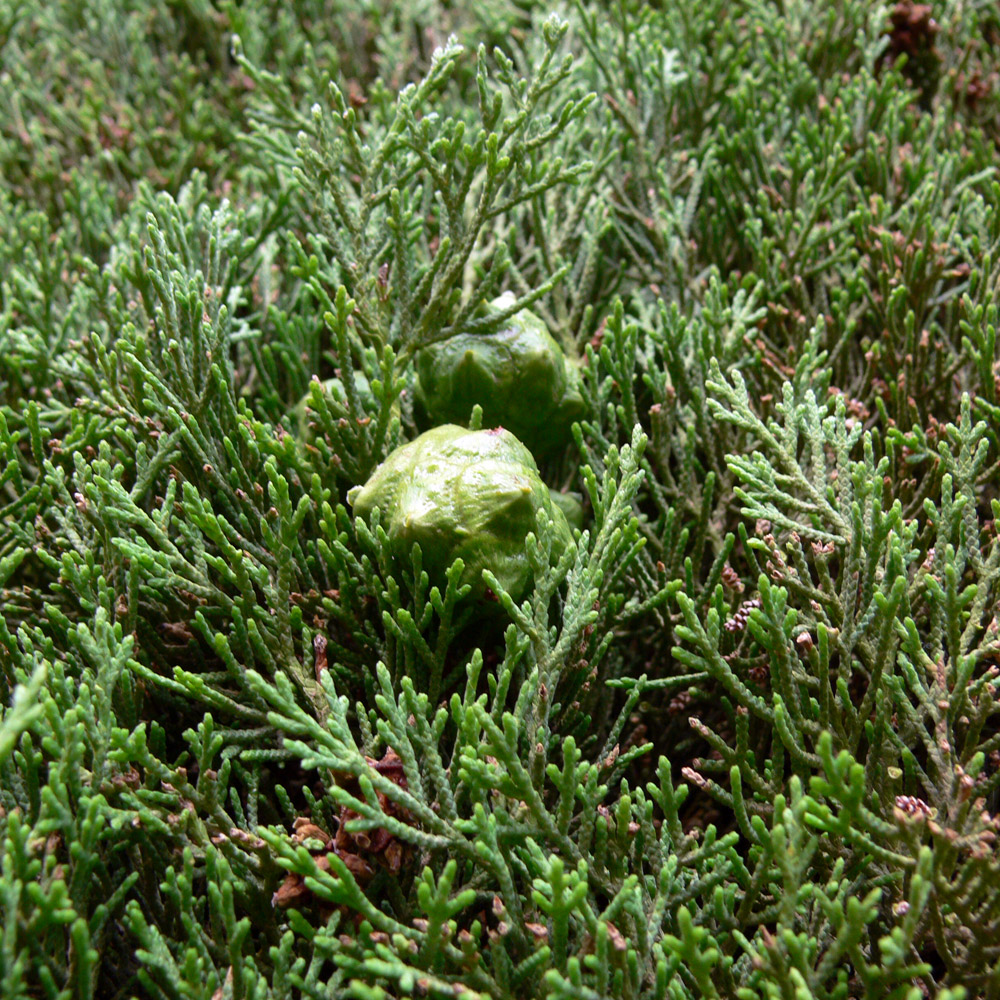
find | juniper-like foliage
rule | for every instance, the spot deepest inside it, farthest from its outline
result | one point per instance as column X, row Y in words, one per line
column 742, row 738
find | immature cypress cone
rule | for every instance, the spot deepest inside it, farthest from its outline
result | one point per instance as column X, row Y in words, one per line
column 570, row 505
column 463, row 494
column 518, row 374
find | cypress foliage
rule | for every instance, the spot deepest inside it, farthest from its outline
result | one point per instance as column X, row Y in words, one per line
column 741, row 739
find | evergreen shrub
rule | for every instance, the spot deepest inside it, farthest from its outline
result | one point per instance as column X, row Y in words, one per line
column 739, row 737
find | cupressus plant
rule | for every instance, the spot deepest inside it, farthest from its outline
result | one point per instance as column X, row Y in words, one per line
column 263, row 736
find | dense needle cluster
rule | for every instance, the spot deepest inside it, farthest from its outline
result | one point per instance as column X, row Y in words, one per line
column 730, row 728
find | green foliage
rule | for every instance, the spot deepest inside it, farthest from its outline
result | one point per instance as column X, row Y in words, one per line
column 738, row 738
